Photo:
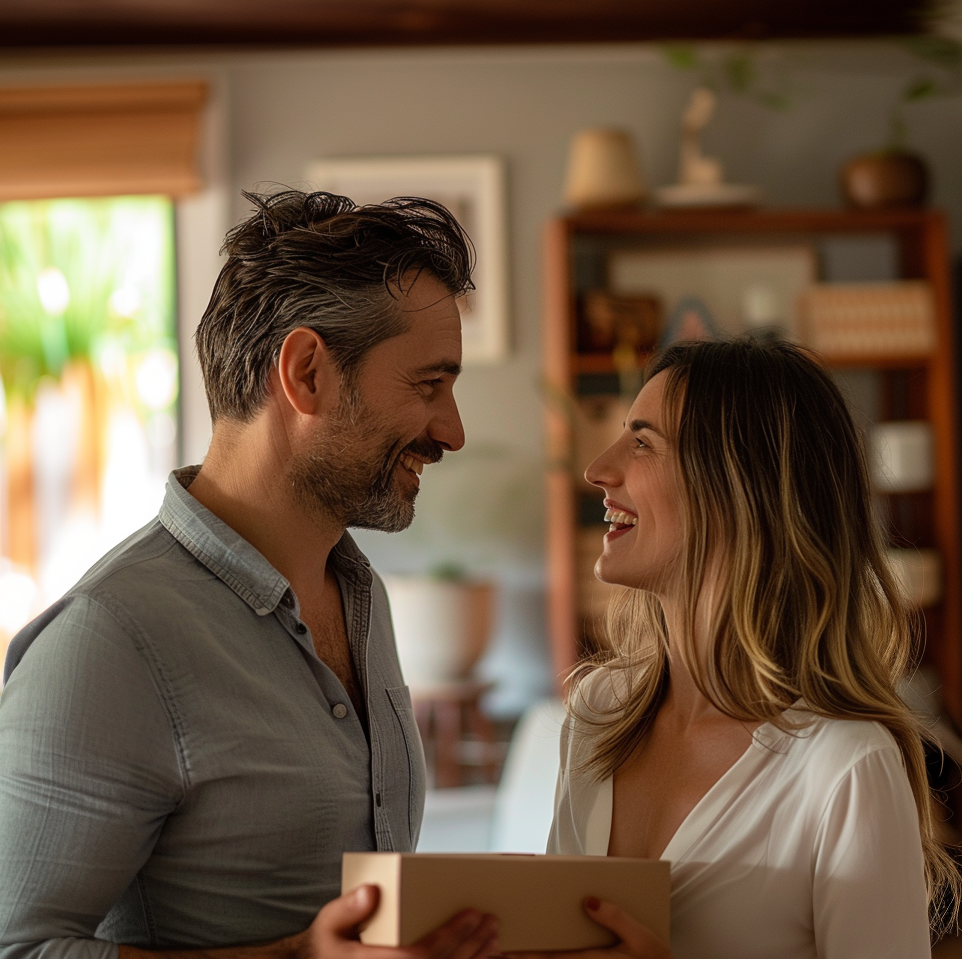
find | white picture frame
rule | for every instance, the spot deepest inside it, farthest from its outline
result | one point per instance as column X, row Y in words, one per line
column 473, row 189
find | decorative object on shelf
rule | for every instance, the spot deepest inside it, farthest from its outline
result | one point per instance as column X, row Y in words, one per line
column 608, row 320
column 701, row 180
column 690, row 320
column 762, row 312
column 919, row 574
column 745, row 287
column 891, row 177
column 869, row 319
column 902, row 458
column 603, row 170
column 442, row 624
column 628, row 366
column 895, row 176
column 473, row 189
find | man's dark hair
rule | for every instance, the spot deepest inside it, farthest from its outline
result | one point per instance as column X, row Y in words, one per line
column 320, row 261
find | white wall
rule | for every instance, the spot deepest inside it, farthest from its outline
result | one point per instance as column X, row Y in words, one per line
column 483, row 506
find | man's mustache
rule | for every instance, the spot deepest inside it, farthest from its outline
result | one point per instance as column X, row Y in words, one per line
column 425, row 449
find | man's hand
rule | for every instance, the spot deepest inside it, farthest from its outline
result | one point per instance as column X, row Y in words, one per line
column 634, row 941
column 333, row 934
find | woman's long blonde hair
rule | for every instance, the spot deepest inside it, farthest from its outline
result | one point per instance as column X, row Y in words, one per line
column 774, row 479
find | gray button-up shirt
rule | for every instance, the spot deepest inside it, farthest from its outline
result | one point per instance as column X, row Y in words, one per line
column 177, row 766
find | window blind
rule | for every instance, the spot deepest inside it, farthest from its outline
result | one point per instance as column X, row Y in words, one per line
column 100, row 140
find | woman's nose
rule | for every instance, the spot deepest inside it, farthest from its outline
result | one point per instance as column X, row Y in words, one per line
column 603, row 471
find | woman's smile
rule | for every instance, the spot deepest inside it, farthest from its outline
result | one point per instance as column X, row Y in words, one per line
column 622, row 520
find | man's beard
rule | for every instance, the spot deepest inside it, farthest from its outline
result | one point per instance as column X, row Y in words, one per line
column 348, row 475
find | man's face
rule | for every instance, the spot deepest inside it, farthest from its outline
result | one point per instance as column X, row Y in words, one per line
column 399, row 413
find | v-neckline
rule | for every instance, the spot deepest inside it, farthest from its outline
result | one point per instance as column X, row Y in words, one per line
column 598, row 834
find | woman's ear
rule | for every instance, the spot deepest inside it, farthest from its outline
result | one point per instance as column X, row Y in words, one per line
column 307, row 374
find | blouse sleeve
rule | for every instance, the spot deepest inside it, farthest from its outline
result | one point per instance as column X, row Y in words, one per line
column 869, row 887
column 577, row 789
column 555, row 842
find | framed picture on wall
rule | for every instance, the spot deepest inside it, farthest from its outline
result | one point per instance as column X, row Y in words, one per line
column 472, row 188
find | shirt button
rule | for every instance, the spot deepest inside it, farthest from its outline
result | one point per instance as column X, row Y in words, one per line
column 301, row 628
column 340, row 711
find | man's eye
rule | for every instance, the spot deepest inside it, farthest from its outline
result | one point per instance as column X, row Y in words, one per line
column 432, row 383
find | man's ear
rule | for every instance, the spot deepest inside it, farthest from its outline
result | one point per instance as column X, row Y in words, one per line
column 307, row 374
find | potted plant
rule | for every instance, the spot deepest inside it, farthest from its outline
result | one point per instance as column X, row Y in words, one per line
column 442, row 623
column 895, row 175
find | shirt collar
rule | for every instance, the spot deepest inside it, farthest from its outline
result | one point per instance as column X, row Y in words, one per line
column 227, row 554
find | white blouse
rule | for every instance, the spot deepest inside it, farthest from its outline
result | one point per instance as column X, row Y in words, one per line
column 808, row 846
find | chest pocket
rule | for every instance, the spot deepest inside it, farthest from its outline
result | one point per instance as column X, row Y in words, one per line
column 414, row 783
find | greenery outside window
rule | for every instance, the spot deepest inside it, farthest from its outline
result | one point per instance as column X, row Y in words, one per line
column 88, row 386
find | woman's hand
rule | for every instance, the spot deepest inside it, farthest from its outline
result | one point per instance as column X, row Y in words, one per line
column 634, row 940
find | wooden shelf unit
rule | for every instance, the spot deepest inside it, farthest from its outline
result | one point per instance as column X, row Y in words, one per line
column 918, row 386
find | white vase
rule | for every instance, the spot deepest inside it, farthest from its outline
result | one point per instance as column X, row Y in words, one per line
column 441, row 627
column 918, row 573
column 902, row 456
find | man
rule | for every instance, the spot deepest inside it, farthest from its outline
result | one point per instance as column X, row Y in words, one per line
column 194, row 734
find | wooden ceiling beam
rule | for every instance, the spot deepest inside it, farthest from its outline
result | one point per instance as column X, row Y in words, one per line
column 334, row 23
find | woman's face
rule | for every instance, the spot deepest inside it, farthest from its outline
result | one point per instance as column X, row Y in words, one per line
column 640, row 476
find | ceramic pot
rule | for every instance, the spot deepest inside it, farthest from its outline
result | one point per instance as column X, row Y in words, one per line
column 603, row 170
column 441, row 626
column 902, row 456
column 885, row 179
column 918, row 573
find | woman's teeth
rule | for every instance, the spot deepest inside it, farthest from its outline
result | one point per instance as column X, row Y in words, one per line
column 410, row 463
column 618, row 519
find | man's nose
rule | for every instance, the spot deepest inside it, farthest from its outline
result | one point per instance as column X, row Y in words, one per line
column 447, row 429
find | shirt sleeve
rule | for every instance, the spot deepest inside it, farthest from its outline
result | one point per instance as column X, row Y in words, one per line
column 869, row 886
column 89, row 770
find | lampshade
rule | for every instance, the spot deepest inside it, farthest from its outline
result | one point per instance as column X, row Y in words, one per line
column 603, row 170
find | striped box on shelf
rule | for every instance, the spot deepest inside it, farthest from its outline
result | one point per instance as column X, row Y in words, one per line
column 868, row 319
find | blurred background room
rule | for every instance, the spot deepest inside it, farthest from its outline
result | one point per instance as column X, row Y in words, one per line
column 630, row 171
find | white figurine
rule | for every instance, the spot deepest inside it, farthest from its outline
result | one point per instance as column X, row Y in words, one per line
column 695, row 167
column 701, row 180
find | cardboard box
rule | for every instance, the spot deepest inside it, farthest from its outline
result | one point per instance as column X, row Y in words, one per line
column 538, row 899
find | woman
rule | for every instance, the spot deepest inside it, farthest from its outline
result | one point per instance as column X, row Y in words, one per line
column 745, row 723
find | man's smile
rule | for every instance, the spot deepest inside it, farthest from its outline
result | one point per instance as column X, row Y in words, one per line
column 411, row 463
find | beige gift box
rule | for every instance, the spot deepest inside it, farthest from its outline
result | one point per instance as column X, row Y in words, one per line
column 537, row 899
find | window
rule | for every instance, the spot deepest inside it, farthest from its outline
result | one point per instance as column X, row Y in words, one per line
column 88, row 368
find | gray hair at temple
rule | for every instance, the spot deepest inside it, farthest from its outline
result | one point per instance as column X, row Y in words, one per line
column 320, row 261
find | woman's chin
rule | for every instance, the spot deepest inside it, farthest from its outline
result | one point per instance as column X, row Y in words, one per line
column 608, row 573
